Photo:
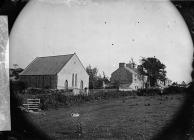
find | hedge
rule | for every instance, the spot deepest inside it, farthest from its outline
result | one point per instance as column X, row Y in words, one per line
column 57, row 98
column 174, row 90
column 149, row 92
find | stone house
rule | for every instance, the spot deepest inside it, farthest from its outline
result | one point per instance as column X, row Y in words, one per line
column 163, row 84
column 127, row 77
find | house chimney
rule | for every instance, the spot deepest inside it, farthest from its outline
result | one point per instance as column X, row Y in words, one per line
column 121, row 65
column 130, row 65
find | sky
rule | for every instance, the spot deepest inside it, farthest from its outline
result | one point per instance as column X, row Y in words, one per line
column 103, row 33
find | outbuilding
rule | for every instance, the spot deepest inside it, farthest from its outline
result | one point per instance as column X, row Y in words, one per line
column 56, row 72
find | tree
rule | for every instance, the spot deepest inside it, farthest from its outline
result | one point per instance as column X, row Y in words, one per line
column 105, row 78
column 92, row 72
column 95, row 81
column 15, row 66
column 174, row 84
column 153, row 69
column 14, row 72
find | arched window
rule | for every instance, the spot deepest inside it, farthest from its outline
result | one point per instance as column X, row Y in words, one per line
column 66, row 84
column 81, row 84
column 73, row 80
column 76, row 80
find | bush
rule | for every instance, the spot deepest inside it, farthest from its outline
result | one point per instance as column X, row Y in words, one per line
column 17, row 86
column 149, row 92
column 57, row 98
column 174, row 90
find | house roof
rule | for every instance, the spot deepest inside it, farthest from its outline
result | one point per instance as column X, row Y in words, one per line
column 131, row 70
column 49, row 65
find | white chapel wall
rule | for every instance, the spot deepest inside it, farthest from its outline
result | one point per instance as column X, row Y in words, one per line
column 73, row 67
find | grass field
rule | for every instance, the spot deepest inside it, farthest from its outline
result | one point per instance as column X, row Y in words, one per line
column 132, row 117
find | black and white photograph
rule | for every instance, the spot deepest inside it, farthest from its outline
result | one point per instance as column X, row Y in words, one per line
column 96, row 69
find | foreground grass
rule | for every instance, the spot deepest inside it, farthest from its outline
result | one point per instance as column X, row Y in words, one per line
column 132, row 117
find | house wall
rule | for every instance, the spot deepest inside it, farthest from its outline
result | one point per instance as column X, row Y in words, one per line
column 168, row 82
column 74, row 66
column 137, row 82
column 163, row 84
column 40, row 81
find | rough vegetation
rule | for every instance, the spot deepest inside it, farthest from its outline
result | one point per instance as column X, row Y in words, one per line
column 61, row 98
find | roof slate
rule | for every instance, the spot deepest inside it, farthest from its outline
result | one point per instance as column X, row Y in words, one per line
column 49, row 65
column 131, row 70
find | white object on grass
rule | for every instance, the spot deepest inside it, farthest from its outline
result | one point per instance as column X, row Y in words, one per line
column 75, row 114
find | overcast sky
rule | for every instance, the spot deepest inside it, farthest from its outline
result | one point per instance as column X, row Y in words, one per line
column 103, row 33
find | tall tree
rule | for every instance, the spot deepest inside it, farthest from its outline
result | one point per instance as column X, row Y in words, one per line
column 105, row 78
column 96, row 80
column 153, row 69
column 92, row 72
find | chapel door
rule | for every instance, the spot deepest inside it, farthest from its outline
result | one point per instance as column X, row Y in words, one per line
column 66, row 84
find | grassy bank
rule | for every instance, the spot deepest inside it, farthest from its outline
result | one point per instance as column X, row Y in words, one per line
column 130, row 117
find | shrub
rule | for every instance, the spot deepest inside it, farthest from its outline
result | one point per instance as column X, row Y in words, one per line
column 174, row 90
column 149, row 92
column 57, row 98
column 17, row 86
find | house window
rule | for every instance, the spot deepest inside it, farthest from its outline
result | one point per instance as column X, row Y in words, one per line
column 76, row 80
column 81, row 85
column 73, row 80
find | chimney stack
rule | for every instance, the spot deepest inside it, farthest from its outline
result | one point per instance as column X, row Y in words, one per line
column 121, row 65
column 130, row 65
